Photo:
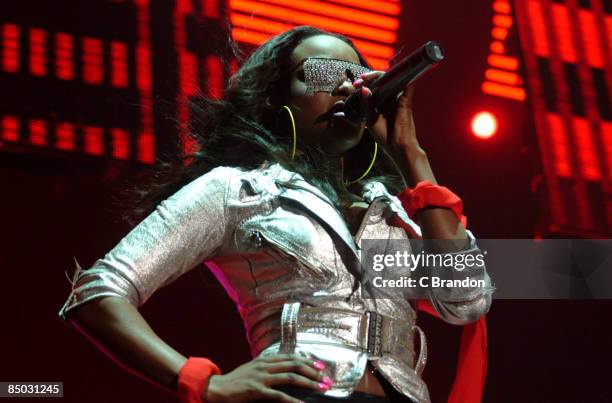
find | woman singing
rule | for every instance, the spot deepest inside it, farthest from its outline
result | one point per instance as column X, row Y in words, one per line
column 276, row 202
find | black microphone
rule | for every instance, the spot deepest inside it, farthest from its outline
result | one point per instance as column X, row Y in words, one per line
column 386, row 88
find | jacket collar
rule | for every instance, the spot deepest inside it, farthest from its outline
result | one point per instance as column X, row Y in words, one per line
column 370, row 191
column 296, row 188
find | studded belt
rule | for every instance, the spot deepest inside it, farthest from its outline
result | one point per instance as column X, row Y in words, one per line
column 369, row 332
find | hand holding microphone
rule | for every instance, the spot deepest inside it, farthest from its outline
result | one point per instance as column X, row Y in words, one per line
column 381, row 102
column 387, row 87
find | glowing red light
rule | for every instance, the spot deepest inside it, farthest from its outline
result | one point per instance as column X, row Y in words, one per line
column 378, row 6
column 484, row 125
column 385, row 35
column 563, row 32
column 504, row 62
column 211, row 8
column 119, row 76
column 372, row 24
column 503, row 21
column 38, row 132
column 501, row 7
column 189, row 74
column 114, row 61
column 538, row 26
column 497, row 47
column 92, row 61
column 590, row 38
column 143, row 74
column 94, row 140
column 586, row 150
column 64, row 133
column 146, row 148
column 10, row 48
column 64, row 68
column 499, row 33
column 561, row 148
column 502, row 90
column 9, row 127
column 214, row 77
column 121, row 143
column 38, row 60
column 606, row 131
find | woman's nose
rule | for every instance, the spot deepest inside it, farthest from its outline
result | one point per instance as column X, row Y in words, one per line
column 345, row 88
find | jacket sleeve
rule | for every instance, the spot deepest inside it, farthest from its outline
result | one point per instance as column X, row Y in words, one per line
column 464, row 304
column 455, row 305
column 181, row 232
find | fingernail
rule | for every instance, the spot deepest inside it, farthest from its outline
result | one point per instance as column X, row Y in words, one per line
column 358, row 82
column 364, row 91
column 362, row 75
column 327, row 380
column 319, row 365
column 324, row 386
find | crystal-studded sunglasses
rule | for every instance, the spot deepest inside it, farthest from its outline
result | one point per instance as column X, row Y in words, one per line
column 324, row 74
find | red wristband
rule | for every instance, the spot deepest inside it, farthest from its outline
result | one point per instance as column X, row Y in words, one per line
column 427, row 194
column 193, row 379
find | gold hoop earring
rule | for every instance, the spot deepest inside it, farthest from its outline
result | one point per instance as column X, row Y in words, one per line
column 369, row 167
column 294, row 131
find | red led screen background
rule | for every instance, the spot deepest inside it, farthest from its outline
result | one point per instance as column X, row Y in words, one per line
column 77, row 88
column 502, row 76
column 99, row 82
column 567, row 48
column 97, row 61
column 372, row 25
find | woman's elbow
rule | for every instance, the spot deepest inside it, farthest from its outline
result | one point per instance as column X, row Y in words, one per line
column 465, row 312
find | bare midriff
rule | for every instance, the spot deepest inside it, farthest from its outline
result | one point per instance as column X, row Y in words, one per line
column 370, row 384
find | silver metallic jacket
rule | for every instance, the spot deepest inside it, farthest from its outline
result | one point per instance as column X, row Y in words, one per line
column 286, row 257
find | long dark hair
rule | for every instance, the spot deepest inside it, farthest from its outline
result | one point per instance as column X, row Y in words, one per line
column 244, row 128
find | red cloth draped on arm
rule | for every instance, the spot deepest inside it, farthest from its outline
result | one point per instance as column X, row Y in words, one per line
column 472, row 364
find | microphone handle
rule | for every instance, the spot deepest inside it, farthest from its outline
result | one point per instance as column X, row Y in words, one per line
column 385, row 88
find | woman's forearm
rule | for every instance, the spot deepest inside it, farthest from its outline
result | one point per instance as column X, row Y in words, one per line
column 118, row 328
column 435, row 222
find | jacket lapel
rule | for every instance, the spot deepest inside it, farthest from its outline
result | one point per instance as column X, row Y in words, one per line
column 320, row 208
column 295, row 188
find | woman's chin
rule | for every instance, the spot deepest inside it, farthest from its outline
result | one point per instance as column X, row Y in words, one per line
column 338, row 136
column 342, row 144
column 343, row 123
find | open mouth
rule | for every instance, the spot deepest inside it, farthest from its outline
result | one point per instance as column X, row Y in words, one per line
column 338, row 119
column 336, row 111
